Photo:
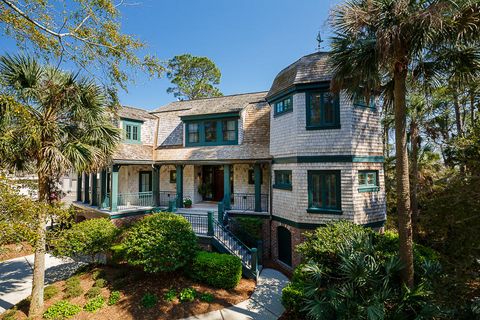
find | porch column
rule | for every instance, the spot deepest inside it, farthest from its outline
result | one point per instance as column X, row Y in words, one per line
column 114, row 189
column 156, row 185
column 257, row 172
column 86, row 188
column 94, row 200
column 179, row 168
column 79, row 187
column 226, row 186
column 103, row 188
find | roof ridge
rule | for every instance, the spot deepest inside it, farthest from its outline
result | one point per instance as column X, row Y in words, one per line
column 225, row 96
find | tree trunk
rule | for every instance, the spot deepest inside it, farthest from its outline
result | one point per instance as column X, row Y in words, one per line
column 458, row 115
column 472, row 109
column 402, row 173
column 36, row 303
column 415, row 147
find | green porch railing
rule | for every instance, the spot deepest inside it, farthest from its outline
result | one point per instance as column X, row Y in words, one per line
column 135, row 200
column 246, row 202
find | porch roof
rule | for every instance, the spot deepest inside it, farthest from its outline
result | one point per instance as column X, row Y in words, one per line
column 227, row 153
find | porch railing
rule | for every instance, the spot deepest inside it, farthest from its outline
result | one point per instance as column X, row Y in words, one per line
column 165, row 197
column 246, row 202
column 134, row 200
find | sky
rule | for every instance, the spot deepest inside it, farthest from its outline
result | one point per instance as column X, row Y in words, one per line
column 249, row 40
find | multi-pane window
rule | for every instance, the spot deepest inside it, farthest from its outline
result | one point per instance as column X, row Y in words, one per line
column 145, row 183
column 359, row 100
column 132, row 131
column 283, row 106
column 193, row 133
column 324, row 191
column 368, row 181
column 322, row 110
column 283, row 179
column 210, row 131
column 229, row 129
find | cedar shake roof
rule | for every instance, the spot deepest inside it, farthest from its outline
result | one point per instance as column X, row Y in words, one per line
column 308, row 69
column 134, row 113
column 133, row 152
column 232, row 103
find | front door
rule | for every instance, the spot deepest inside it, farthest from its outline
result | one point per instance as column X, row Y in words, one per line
column 212, row 180
column 218, row 184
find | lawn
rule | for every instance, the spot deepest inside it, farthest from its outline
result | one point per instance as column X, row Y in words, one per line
column 138, row 295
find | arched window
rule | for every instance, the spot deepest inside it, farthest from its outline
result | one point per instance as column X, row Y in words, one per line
column 284, row 243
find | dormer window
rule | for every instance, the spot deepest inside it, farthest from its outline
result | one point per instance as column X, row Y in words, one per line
column 282, row 106
column 132, row 131
column 211, row 130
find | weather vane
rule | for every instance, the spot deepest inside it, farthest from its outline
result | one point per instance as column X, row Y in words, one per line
column 319, row 41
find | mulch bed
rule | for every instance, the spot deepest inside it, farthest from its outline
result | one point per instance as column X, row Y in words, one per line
column 10, row 251
column 133, row 284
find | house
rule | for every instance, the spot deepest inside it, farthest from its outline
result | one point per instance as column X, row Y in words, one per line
column 297, row 156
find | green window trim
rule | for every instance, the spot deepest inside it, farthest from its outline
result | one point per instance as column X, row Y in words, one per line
column 283, row 179
column 325, row 196
column 251, row 177
column 132, row 131
column 322, row 124
column 173, row 176
column 283, row 106
column 368, row 181
column 359, row 101
column 211, row 132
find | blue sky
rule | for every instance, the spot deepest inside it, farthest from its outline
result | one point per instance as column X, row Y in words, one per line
column 249, row 40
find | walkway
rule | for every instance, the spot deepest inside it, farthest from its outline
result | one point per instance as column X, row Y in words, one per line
column 16, row 277
column 264, row 304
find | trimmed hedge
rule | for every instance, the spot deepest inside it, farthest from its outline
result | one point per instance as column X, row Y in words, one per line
column 217, row 270
column 162, row 242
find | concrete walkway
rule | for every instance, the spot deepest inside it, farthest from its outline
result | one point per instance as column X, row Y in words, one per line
column 264, row 304
column 16, row 277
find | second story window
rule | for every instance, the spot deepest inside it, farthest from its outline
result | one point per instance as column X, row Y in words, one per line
column 211, row 132
column 132, row 131
column 323, row 110
column 368, row 181
column 283, row 179
column 193, row 133
column 283, row 106
column 229, row 128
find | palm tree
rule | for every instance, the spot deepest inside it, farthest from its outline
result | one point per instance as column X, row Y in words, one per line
column 377, row 41
column 58, row 121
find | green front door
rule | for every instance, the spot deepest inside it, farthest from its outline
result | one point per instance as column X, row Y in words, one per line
column 284, row 245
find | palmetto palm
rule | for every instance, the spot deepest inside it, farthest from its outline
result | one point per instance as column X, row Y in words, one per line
column 57, row 121
column 377, row 41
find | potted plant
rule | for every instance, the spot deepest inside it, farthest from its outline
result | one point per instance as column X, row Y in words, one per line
column 205, row 189
column 187, row 202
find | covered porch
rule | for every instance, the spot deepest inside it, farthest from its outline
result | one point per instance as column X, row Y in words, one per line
column 242, row 187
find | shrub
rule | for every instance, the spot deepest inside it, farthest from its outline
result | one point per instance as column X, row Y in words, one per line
column 207, row 297
column 170, row 295
column 101, row 283
column 93, row 292
column 72, row 287
column 352, row 272
column 117, row 253
column 94, row 304
column 149, row 300
column 61, row 310
column 98, row 273
column 89, row 238
column 187, row 295
column 247, row 229
column 113, row 298
column 50, row 292
column 10, row 314
column 162, row 242
column 217, row 270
